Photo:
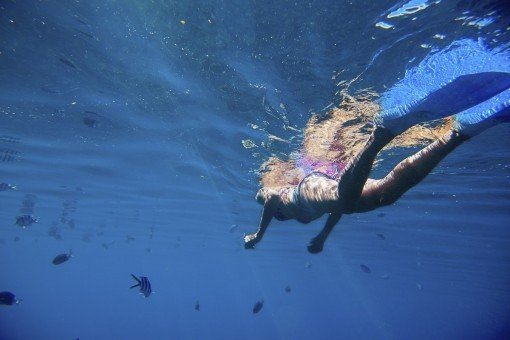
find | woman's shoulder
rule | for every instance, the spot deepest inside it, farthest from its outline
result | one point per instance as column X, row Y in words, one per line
column 267, row 193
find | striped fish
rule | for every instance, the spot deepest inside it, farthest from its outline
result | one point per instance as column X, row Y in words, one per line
column 6, row 186
column 144, row 284
column 25, row 220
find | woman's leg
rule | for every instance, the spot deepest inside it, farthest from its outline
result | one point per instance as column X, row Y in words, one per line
column 475, row 89
column 355, row 174
column 412, row 170
column 407, row 173
column 351, row 182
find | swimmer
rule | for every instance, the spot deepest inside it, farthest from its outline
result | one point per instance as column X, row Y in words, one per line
column 477, row 101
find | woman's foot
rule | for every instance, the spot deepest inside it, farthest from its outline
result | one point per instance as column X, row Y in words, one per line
column 462, row 93
column 479, row 118
column 250, row 240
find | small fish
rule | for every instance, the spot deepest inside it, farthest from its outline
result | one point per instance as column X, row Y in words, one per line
column 381, row 215
column 90, row 122
column 197, row 306
column 7, row 186
column 144, row 284
column 61, row 258
column 25, row 220
column 87, row 237
column 258, row 306
column 381, row 236
column 8, row 298
column 54, row 232
column 287, row 289
column 84, row 33
column 8, row 155
column 108, row 245
column 9, row 139
column 67, row 62
column 365, row 268
column 80, row 20
column 71, row 224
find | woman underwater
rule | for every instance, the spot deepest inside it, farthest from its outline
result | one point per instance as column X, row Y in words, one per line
column 466, row 82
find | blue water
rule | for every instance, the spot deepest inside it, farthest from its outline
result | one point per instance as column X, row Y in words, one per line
column 122, row 126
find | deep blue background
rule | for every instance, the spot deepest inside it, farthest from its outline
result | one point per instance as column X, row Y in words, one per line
column 122, row 128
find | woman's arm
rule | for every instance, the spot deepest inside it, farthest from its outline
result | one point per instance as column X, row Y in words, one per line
column 317, row 243
column 268, row 212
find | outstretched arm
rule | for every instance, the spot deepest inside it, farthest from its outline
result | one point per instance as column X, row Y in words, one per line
column 317, row 243
column 267, row 214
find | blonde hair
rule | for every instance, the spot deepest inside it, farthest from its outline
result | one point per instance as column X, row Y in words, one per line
column 339, row 136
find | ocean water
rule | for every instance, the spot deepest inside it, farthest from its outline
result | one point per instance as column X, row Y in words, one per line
column 133, row 131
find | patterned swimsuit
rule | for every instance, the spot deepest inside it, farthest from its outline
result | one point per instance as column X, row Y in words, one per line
column 295, row 199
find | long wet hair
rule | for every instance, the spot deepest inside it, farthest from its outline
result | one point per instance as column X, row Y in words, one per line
column 329, row 142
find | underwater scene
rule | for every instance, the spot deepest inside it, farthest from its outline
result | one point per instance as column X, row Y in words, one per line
column 147, row 146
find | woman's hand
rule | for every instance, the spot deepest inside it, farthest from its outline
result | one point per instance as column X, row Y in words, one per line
column 250, row 240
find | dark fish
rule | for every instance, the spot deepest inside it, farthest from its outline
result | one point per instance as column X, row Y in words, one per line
column 381, row 236
column 61, row 258
column 71, row 224
column 67, row 62
column 197, row 306
column 108, row 245
column 80, row 20
column 258, row 306
column 365, row 269
column 8, row 155
column 144, row 284
column 28, row 204
column 54, row 232
column 9, row 139
column 16, row 239
column 381, row 215
column 84, row 33
column 6, row 186
column 7, row 298
column 287, row 289
column 25, row 220
column 90, row 122
column 87, row 238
